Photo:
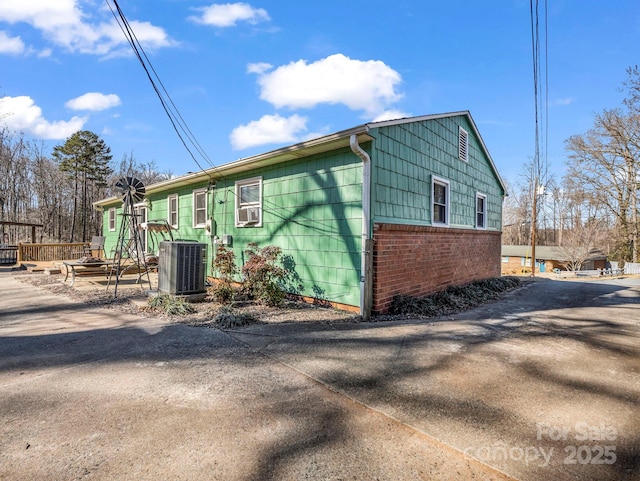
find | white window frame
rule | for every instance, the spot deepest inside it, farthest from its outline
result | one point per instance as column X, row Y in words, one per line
column 248, row 205
column 196, row 193
column 482, row 196
column 112, row 219
column 447, row 202
column 463, row 144
column 170, row 198
column 141, row 211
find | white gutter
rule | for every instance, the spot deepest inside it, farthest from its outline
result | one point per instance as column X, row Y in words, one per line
column 366, row 214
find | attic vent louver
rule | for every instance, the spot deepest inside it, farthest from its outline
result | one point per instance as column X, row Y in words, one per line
column 463, row 144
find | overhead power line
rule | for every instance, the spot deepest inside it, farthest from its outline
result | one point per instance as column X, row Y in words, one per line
column 180, row 126
column 541, row 104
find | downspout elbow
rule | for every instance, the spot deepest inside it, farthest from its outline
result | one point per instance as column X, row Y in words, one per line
column 366, row 184
column 356, row 149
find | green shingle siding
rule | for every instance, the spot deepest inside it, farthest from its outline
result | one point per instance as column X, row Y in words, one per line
column 407, row 155
column 312, row 209
column 158, row 210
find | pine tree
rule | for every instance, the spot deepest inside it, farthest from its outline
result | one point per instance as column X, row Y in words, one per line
column 85, row 158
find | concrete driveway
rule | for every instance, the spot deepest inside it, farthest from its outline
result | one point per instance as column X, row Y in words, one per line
column 544, row 384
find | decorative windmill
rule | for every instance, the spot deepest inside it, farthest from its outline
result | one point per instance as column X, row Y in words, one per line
column 129, row 252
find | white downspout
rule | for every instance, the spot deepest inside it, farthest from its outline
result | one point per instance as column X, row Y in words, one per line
column 366, row 213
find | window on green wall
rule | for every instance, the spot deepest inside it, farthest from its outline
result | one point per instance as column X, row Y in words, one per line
column 112, row 219
column 200, row 208
column 440, row 196
column 249, row 202
column 481, row 211
column 172, row 210
column 140, row 211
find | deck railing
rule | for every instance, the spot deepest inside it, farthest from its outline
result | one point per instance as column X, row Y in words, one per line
column 50, row 252
column 8, row 255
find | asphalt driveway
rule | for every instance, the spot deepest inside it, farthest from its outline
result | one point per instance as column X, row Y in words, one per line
column 544, row 384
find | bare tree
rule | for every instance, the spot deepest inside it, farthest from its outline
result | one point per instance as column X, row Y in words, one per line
column 516, row 215
column 632, row 84
column 605, row 161
column 53, row 197
column 57, row 191
column 128, row 166
column 525, row 204
column 581, row 242
column 561, row 197
column 15, row 182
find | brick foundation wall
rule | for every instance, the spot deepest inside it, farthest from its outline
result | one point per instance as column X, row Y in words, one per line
column 420, row 260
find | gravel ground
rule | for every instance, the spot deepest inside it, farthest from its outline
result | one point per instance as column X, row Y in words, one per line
column 104, row 394
column 210, row 313
column 131, row 301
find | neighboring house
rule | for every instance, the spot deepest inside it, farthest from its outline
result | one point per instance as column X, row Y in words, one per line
column 517, row 259
column 406, row 206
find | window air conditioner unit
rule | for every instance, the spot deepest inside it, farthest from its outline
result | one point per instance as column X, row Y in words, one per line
column 249, row 215
column 182, row 268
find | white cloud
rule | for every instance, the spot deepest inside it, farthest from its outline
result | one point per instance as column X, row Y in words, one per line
column 113, row 42
column 11, row 45
column 369, row 85
column 41, row 12
column 563, row 101
column 23, row 115
column 259, row 68
column 228, row 14
column 65, row 23
column 270, row 129
column 93, row 101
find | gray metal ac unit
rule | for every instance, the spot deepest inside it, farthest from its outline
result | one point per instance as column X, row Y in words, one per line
column 182, row 268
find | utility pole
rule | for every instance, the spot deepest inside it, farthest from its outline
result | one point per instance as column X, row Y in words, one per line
column 538, row 83
column 534, row 220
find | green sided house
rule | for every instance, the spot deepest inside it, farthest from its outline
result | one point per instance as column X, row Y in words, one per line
column 406, row 206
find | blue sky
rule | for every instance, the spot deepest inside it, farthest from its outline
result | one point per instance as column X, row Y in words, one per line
column 251, row 77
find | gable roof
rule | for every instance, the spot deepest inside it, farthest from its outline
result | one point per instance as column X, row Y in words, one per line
column 304, row 149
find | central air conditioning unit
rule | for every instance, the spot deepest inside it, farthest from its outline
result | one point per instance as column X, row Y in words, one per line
column 249, row 215
column 182, row 268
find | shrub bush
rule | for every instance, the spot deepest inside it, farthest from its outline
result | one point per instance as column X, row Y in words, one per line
column 224, row 263
column 171, row 305
column 262, row 276
column 227, row 318
column 454, row 298
column 222, row 292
